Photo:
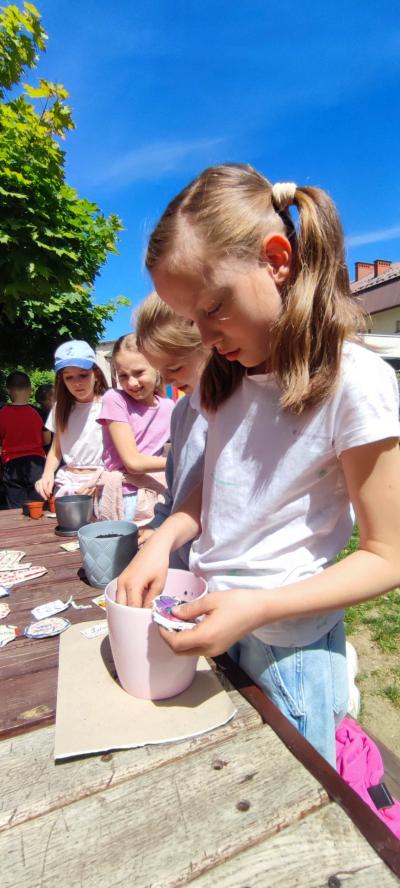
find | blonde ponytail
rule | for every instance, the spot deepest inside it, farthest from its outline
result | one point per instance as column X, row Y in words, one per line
column 227, row 212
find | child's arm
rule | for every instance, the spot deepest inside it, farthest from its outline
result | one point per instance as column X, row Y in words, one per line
column 133, row 461
column 46, row 483
column 373, row 479
column 144, row 578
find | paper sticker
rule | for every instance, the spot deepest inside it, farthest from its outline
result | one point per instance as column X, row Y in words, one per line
column 47, row 610
column 7, row 634
column 10, row 557
column 21, row 575
column 94, row 631
column 15, row 567
column 3, row 591
column 47, row 628
column 4, row 611
column 161, row 614
column 100, row 600
column 72, row 546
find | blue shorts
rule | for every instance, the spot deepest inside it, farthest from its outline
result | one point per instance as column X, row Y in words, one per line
column 308, row 684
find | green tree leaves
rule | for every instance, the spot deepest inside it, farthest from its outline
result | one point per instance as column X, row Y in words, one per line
column 52, row 242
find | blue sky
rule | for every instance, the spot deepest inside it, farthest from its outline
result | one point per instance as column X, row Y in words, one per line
column 306, row 92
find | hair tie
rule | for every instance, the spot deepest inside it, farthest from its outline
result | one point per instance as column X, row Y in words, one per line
column 283, row 194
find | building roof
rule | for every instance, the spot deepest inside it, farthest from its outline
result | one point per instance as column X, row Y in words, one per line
column 371, row 281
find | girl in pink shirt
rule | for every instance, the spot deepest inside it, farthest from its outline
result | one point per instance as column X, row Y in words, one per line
column 135, row 419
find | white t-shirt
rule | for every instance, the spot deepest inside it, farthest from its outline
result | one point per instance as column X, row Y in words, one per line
column 275, row 503
column 81, row 442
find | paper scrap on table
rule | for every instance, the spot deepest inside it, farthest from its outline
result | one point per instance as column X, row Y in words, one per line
column 10, row 557
column 121, row 721
column 4, row 611
column 22, row 575
column 79, row 607
column 50, row 515
column 47, row 628
column 48, row 610
column 15, row 567
column 8, row 633
column 96, row 630
column 72, row 546
column 100, row 600
column 4, row 591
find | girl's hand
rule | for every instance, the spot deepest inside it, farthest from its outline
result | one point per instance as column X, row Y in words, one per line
column 145, row 576
column 228, row 615
column 86, row 491
column 44, row 485
column 144, row 534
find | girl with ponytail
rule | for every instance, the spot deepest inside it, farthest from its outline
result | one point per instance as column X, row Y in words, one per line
column 302, row 429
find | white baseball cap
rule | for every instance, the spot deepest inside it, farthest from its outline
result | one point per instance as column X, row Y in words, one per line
column 75, row 353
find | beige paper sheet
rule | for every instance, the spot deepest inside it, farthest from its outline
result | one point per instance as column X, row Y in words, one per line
column 94, row 714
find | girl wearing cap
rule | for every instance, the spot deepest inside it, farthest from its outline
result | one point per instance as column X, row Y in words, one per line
column 78, row 439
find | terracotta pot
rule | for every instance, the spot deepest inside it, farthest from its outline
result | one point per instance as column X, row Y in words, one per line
column 52, row 503
column 35, row 509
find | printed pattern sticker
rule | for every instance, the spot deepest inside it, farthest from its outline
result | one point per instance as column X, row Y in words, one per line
column 7, row 634
column 47, row 628
column 94, row 631
column 21, row 575
column 48, row 610
column 161, row 614
column 100, row 600
column 9, row 558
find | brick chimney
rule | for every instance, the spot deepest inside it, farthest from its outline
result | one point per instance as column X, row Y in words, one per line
column 363, row 269
column 380, row 266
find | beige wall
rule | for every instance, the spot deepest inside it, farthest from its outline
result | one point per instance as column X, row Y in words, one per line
column 385, row 321
column 102, row 352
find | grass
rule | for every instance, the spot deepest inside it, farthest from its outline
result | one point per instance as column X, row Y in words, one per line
column 381, row 617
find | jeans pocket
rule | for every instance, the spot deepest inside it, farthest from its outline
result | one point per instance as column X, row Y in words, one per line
column 337, row 651
column 285, row 672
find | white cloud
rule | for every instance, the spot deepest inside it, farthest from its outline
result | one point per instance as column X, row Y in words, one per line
column 152, row 161
column 373, row 237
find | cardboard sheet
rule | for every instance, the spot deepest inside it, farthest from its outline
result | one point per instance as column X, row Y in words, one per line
column 94, row 714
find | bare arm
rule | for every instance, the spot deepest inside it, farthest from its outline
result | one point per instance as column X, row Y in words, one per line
column 125, row 445
column 144, row 578
column 372, row 475
column 45, row 484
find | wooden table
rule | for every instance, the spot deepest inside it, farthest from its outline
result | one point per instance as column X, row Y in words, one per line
column 250, row 804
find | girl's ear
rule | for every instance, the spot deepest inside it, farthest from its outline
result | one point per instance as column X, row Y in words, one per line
column 276, row 252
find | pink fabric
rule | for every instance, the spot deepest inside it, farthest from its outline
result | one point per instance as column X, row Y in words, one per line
column 68, row 483
column 150, row 426
column 359, row 763
column 109, row 503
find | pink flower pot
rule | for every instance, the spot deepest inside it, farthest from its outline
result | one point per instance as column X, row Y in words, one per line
column 145, row 664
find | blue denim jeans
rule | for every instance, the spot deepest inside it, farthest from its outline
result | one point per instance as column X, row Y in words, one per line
column 129, row 506
column 308, row 684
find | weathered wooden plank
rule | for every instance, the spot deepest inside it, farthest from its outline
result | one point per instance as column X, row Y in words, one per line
column 35, row 785
column 169, row 825
column 314, row 852
column 28, row 668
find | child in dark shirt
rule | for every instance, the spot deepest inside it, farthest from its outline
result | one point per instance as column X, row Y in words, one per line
column 44, row 397
column 22, row 436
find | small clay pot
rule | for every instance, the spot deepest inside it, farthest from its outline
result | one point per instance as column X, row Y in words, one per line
column 52, row 503
column 36, row 509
